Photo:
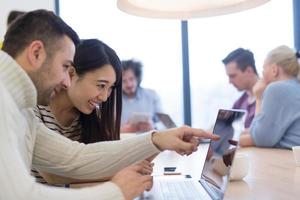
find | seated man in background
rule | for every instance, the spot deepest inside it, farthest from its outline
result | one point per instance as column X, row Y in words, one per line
column 241, row 71
column 137, row 99
column 14, row 14
column 277, row 116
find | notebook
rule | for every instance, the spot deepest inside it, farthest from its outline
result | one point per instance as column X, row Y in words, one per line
column 216, row 170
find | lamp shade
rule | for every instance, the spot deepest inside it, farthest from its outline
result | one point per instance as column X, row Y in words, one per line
column 185, row 9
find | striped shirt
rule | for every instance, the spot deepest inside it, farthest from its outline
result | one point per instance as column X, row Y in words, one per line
column 73, row 132
column 24, row 142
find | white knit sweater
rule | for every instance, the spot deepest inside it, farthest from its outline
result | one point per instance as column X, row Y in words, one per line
column 25, row 142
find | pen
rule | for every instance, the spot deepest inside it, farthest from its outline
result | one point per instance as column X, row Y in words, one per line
column 172, row 173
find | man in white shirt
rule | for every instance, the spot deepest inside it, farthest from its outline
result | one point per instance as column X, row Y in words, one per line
column 37, row 51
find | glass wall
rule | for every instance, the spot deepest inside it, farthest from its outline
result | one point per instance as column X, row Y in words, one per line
column 157, row 43
column 211, row 39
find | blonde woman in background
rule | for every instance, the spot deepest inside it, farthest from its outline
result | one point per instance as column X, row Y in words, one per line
column 277, row 117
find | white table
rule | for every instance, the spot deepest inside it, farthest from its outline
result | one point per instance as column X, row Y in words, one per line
column 272, row 173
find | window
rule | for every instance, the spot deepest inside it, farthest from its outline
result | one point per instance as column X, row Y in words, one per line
column 156, row 43
column 211, row 39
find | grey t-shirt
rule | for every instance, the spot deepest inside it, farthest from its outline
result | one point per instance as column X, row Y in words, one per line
column 278, row 124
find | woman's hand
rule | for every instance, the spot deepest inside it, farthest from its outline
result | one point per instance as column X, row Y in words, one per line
column 259, row 88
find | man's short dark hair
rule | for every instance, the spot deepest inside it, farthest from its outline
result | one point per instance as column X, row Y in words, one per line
column 14, row 14
column 135, row 66
column 243, row 57
column 40, row 25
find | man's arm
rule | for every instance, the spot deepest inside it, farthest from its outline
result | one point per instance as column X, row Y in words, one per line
column 57, row 179
column 15, row 180
column 59, row 155
column 56, row 154
column 146, row 165
column 16, row 183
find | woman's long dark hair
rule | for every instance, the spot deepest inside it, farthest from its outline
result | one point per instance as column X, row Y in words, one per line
column 104, row 122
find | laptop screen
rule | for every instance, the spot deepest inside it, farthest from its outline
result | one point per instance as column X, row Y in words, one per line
column 216, row 170
column 166, row 120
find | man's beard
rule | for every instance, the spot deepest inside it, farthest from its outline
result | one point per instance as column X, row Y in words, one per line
column 39, row 77
column 44, row 97
column 130, row 92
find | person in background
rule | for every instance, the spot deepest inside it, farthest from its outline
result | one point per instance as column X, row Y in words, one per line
column 90, row 109
column 14, row 14
column 37, row 54
column 277, row 118
column 137, row 99
column 241, row 71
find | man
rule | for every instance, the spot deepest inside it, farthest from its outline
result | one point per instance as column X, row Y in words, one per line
column 137, row 99
column 241, row 70
column 37, row 51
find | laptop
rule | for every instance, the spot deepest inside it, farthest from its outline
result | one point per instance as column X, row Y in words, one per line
column 166, row 120
column 216, row 170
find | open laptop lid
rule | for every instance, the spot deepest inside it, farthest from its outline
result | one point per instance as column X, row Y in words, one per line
column 216, row 170
column 166, row 120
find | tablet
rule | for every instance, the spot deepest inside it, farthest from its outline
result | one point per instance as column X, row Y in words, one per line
column 137, row 117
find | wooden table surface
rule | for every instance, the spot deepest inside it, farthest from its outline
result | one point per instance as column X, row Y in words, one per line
column 272, row 172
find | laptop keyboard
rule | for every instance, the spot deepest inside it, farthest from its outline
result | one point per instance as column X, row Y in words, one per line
column 179, row 190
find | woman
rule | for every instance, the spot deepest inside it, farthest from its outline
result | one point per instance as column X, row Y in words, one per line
column 90, row 109
column 277, row 117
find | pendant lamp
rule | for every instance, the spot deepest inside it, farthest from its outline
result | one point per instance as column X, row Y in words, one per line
column 185, row 9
